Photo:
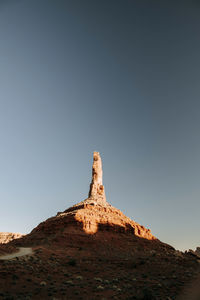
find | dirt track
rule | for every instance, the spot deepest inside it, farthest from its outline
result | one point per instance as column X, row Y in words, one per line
column 22, row 251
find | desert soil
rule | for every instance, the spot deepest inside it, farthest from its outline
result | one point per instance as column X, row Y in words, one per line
column 21, row 252
column 102, row 266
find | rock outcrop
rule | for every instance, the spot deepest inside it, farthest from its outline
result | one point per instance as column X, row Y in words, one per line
column 95, row 251
column 91, row 216
column 197, row 251
column 6, row 237
column 97, row 192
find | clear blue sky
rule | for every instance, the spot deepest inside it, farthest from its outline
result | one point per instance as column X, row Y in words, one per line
column 118, row 77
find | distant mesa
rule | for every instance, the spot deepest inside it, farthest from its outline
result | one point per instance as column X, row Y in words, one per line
column 6, row 237
column 194, row 253
column 197, row 251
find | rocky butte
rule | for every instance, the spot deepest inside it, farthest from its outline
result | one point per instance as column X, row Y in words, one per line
column 94, row 214
column 93, row 251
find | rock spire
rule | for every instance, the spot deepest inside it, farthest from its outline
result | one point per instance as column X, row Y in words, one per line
column 96, row 187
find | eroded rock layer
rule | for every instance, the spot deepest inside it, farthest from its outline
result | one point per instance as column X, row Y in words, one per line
column 6, row 237
column 97, row 192
column 92, row 215
column 89, row 218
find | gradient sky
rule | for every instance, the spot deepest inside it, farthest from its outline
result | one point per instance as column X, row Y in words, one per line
column 118, row 77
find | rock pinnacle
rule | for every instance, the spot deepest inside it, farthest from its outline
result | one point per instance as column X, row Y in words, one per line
column 96, row 187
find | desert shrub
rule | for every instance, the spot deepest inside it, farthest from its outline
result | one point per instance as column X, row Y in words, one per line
column 72, row 262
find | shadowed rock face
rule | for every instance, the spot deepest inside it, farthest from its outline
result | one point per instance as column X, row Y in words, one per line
column 197, row 251
column 96, row 187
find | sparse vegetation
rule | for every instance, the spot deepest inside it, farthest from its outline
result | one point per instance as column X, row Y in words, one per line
column 72, row 262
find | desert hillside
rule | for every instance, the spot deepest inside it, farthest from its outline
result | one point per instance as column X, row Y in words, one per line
column 93, row 251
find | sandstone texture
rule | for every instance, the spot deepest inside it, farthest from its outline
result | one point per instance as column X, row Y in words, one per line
column 92, row 215
column 6, row 237
column 96, row 187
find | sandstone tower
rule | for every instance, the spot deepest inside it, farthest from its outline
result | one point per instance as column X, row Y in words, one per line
column 96, row 187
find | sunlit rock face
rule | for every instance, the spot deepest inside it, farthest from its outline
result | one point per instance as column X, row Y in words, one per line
column 97, row 192
column 87, row 218
column 91, row 216
column 6, row 237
